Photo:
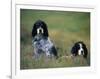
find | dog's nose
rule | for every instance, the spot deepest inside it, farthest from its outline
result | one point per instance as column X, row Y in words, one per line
column 40, row 31
column 82, row 51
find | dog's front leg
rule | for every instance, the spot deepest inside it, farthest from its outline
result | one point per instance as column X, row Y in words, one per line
column 35, row 54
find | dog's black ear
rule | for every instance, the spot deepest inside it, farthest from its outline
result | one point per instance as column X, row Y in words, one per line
column 85, row 50
column 74, row 49
column 45, row 29
column 34, row 31
column 85, row 53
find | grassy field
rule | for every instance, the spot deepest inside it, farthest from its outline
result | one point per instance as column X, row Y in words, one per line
column 65, row 28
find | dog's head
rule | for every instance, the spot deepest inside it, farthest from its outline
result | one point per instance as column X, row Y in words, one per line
column 40, row 28
column 79, row 48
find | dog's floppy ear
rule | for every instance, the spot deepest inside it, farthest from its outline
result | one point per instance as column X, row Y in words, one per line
column 45, row 28
column 74, row 49
column 34, row 31
column 85, row 50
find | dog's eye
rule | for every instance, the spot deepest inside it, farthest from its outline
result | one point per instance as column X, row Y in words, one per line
column 40, row 24
column 78, row 46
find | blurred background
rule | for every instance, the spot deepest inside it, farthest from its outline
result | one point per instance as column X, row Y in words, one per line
column 65, row 28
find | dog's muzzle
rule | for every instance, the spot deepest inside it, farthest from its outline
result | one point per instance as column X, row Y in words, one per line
column 40, row 31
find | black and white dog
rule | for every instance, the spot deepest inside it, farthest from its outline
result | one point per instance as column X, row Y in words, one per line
column 79, row 48
column 41, row 41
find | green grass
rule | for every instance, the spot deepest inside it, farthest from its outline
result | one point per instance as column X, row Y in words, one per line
column 65, row 28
